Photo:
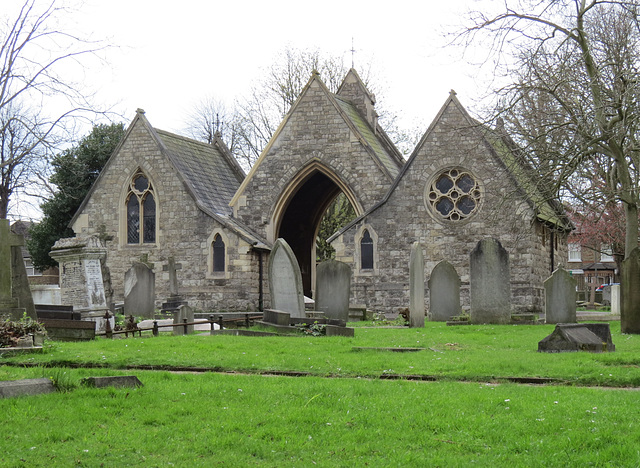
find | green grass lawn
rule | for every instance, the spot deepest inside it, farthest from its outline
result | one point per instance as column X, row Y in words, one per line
column 469, row 416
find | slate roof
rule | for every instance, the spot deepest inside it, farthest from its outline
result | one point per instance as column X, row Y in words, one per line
column 371, row 139
column 211, row 174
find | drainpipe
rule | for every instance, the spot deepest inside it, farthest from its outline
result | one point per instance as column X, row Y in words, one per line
column 552, row 238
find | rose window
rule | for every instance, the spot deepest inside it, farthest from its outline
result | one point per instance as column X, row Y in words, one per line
column 454, row 195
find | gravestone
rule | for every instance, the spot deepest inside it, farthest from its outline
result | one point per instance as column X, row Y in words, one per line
column 570, row 337
column 285, row 280
column 560, row 297
column 416, row 286
column 175, row 300
column 15, row 295
column 444, row 292
column 615, row 299
column 490, row 283
column 81, row 285
column 333, row 289
column 630, row 293
column 179, row 315
column 139, row 290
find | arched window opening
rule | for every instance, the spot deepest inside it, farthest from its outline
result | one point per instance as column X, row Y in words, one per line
column 218, row 254
column 141, row 211
column 366, row 251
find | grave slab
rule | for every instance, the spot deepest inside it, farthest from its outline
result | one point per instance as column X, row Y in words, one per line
column 572, row 337
column 118, row 381
column 14, row 388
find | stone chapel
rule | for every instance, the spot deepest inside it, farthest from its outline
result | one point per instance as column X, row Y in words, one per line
column 161, row 195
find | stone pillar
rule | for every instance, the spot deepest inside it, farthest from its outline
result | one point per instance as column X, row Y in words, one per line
column 81, row 284
column 615, row 299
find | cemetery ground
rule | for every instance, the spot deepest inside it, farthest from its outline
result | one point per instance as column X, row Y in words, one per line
column 228, row 400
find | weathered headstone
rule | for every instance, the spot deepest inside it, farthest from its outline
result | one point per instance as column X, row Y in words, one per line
column 81, row 282
column 560, row 297
column 179, row 315
column 9, row 301
column 139, row 290
column 20, row 287
column 444, row 292
column 630, row 293
column 333, row 289
column 490, row 283
column 416, row 286
column 285, row 280
column 615, row 299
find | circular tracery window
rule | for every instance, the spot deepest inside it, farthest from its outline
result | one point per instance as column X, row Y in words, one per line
column 453, row 195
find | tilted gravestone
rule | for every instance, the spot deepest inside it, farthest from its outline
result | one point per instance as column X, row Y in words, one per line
column 81, row 283
column 139, row 291
column 333, row 289
column 285, row 280
column 568, row 337
column 174, row 300
column 560, row 297
column 490, row 283
column 630, row 293
column 416, row 286
column 444, row 292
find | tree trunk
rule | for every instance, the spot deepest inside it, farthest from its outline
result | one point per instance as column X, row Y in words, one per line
column 631, row 235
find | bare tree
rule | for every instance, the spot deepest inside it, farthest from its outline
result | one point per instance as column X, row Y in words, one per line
column 33, row 54
column 574, row 102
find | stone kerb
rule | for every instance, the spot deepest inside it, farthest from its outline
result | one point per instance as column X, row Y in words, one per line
column 416, row 286
column 560, row 297
column 630, row 293
column 444, row 292
column 490, row 283
column 333, row 289
column 285, row 280
column 139, row 291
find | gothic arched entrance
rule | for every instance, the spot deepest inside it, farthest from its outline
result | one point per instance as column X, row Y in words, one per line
column 299, row 212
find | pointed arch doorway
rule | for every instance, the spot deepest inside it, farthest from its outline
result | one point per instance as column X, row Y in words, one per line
column 299, row 211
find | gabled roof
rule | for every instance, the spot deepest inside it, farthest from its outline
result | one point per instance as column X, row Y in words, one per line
column 375, row 141
column 210, row 173
column 546, row 208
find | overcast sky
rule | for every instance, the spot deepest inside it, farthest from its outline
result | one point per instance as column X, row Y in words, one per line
column 168, row 55
column 171, row 54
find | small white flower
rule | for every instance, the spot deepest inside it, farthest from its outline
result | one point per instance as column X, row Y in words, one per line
column 507, row 399
column 239, row 389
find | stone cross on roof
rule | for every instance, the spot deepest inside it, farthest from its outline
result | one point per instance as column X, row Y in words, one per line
column 172, row 267
column 7, row 240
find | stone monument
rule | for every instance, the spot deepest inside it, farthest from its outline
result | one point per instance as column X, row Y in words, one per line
column 560, row 297
column 285, row 280
column 333, row 289
column 444, row 292
column 11, row 291
column 139, row 291
column 81, row 284
column 630, row 293
column 416, row 286
column 490, row 283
